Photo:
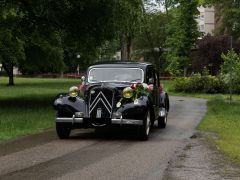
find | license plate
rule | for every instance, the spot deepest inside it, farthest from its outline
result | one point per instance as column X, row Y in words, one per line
column 99, row 113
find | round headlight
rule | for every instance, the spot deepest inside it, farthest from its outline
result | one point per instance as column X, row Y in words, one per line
column 73, row 91
column 127, row 92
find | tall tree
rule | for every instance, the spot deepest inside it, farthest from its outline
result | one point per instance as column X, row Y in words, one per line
column 183, row 33
column 129, row 19
column 12, row 40
column 149, row 42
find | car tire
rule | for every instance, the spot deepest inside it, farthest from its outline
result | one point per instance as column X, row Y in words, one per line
column 145, row 129
column 63, row 132
column 162, row 121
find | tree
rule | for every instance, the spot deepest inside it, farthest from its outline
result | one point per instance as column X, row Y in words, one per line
column 208, row 53
column 149, row 42
column 129, row 19
column 54, row 27
column 228, row 15
column 11, row 39
column 230, row 70
column 183, row 33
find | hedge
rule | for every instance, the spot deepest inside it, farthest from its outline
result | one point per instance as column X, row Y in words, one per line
column 206, row 84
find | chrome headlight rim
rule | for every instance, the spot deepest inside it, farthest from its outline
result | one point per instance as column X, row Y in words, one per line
column 73, row 91
column 127, row 92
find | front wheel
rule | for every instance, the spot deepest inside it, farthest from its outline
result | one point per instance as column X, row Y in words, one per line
column 63, row 132
column 145, row 129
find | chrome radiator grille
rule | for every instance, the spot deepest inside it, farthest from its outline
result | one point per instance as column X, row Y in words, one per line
column 100, row 102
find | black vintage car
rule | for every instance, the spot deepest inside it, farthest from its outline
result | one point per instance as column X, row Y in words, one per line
column 114, row 93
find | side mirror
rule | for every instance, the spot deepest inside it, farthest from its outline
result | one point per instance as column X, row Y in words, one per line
column 151, row 81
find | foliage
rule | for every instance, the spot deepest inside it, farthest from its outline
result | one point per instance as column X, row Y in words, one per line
column 200, row 84
column 152, row 35
column 213, row 84
column 131, row 16
column 208, row 53
column 108, row 49
column 230, row 59
column 231, row 63
column 182, row 35
column 228, row 15
column 53, row 29
column 155, row 24
column 11, row 38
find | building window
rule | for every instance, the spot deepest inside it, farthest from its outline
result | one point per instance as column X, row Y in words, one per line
column 201, row 28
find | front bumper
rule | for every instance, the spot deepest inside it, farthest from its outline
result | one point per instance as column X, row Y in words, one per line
column 81, row 121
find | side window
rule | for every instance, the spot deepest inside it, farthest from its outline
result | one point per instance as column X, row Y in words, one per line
column 151, row 77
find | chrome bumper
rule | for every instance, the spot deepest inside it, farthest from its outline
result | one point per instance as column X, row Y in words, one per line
column 121, row 121
column 67, row 120
column 127, row 121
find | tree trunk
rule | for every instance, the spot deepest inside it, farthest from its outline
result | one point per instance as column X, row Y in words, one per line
column 124, row 53
column 9, row 70
column 129, row 47
column 11, row 78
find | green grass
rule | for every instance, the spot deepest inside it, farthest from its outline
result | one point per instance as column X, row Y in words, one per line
column 27, row 107
column 222, row 118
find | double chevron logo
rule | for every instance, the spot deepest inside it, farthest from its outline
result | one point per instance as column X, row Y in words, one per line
column 100, row 98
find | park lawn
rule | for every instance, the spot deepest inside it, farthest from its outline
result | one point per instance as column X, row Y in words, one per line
column 27, row 107
column 222, row 118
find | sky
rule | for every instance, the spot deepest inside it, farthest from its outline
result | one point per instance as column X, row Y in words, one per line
column 153, row 6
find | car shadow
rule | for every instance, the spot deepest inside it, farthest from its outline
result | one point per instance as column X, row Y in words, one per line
column 109, row 133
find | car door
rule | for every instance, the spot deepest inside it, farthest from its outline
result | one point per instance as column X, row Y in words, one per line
column 152, row 78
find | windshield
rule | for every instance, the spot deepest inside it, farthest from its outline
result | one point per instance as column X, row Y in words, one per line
column 133, row 75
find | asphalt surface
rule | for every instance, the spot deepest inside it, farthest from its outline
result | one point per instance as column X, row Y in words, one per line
column 103, row 154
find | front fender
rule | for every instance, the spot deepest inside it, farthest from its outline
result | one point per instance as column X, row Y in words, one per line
column 136, row 111
column 69, row 105
column 164, row 100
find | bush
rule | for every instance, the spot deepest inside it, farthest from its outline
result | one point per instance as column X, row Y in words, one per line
column 198, row 83
column 231, row 64
column 235, row 82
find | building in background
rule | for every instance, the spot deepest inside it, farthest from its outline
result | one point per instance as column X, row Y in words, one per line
column 117, row 56
column 15, row 70
column 206, row 20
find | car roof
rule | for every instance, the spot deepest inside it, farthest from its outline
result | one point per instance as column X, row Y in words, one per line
column 124, row 64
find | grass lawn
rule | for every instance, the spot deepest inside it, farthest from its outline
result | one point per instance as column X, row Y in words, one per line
column 27, row 108
column 222, row 118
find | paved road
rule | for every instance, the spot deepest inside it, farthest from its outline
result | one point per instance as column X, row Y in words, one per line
column 105, row 154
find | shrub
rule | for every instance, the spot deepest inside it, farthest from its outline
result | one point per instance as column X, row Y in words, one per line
column 231, row 64
column 181, row 84
column 198, row 83
column 235, row 82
